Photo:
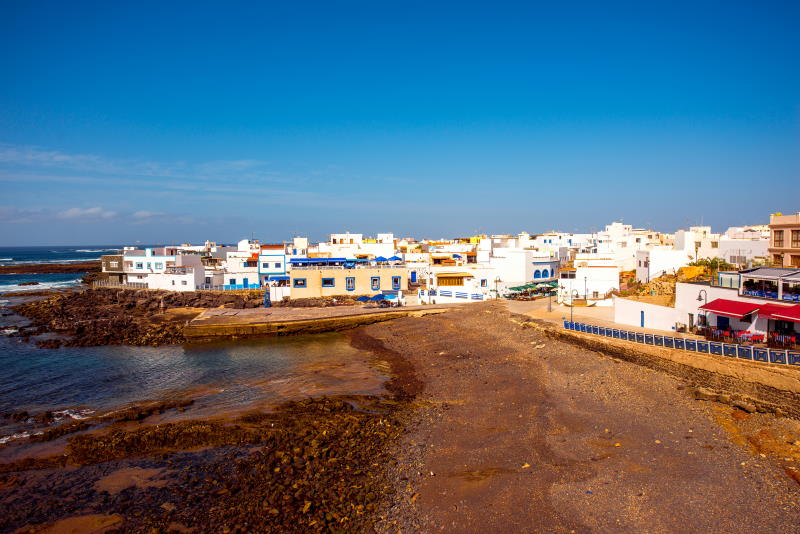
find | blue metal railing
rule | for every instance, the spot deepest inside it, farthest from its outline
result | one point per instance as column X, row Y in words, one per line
column 731, row 350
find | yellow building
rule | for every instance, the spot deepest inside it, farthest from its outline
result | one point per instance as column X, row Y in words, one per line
column 347, row 278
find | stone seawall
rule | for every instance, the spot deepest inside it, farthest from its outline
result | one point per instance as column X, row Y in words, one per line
column 207, row 332
column 765, row 387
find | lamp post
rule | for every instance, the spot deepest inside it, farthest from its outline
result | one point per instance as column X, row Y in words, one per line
column 585, row 291
column 700, row 295
column 572, row 302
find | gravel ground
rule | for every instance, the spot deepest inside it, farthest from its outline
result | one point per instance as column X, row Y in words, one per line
column 513, row 431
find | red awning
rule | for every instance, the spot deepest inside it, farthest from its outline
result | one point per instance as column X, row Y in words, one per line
column 790, row 314
column 770, row 309
column 730, row 308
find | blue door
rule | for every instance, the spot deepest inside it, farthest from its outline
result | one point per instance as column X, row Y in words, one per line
column 244, row 282
column 641, row 318
column 413, row 276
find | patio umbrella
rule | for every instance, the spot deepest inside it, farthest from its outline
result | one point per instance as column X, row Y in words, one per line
column 376, row 298
column 363, row 298
column 395, row 258
column 457, row 256
column 380, row 258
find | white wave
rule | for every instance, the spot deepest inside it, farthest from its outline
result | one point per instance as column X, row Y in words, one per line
column 73, row 414
column 12, row 437
column 37, row 262
column 6, row 259
column 96, row 249
column 41, row 286
column 9, row 331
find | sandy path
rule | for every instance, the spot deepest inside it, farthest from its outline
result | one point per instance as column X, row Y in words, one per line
column 515, row 437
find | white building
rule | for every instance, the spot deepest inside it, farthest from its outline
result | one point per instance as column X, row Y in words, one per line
column 658, row 261
column 592, row 278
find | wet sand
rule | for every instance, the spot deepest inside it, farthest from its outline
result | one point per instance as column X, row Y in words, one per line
column 514, row 432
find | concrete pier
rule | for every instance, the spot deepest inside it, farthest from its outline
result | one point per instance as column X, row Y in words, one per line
column 234, row 323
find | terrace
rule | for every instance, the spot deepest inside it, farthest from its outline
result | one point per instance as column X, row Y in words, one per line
column 771, row 283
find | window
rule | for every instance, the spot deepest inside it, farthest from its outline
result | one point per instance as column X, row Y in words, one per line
column 183, row 282
column 232, row 281
column 715, row 244
column 140, row 265
column 777, row 238
column 159, row 265
column 328, row 282
column 208, row 279
column 265, row 265
column 277, row 265
column 350, row 283
column 537, row 274
column 595, row 294
column 375, row 283
column 396, row 282
column 452, row 281
column 795, row 238
column 545, row 273
column 299, row 282
column 113, row 264
column 484, row 282
column 149, row 266
column 173, row 282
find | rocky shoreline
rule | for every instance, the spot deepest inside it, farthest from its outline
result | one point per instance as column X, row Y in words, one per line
column 308, row 466
column 317, row 465
column 91, row 266
column 107, row 316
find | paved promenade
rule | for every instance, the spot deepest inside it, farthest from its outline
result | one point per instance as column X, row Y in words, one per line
column 600, row 316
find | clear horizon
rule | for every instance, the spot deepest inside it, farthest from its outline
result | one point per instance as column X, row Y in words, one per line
column 181, row 122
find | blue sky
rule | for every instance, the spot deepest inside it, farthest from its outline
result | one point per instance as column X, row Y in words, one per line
column 169, row 121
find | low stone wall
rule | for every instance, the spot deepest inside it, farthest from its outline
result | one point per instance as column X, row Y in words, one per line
column 207, row 332
column 767, row 387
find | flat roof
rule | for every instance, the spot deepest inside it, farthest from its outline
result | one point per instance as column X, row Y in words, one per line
column 771, row 273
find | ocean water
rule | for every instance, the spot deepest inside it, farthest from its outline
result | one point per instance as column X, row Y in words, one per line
column 77, row 382
column 48, row 254
column 10, row 256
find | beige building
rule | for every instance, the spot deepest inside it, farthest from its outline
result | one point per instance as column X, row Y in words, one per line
column 784, row 249
column 322, row 281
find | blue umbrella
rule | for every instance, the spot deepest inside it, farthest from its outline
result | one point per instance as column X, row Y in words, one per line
column 376, row 298
column 380, row 258
column 363, row 298
column 395, row 258
column 457, row 256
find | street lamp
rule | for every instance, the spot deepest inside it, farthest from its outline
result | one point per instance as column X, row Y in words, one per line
column 572, row 302
column 585, row 291
column 700, row 295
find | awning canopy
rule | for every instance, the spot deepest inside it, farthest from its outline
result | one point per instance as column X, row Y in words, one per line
column 769, row 309
column 770, row 273
column 790, row 314
column 730, row 308
column 453, row 275
column 278, row 277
